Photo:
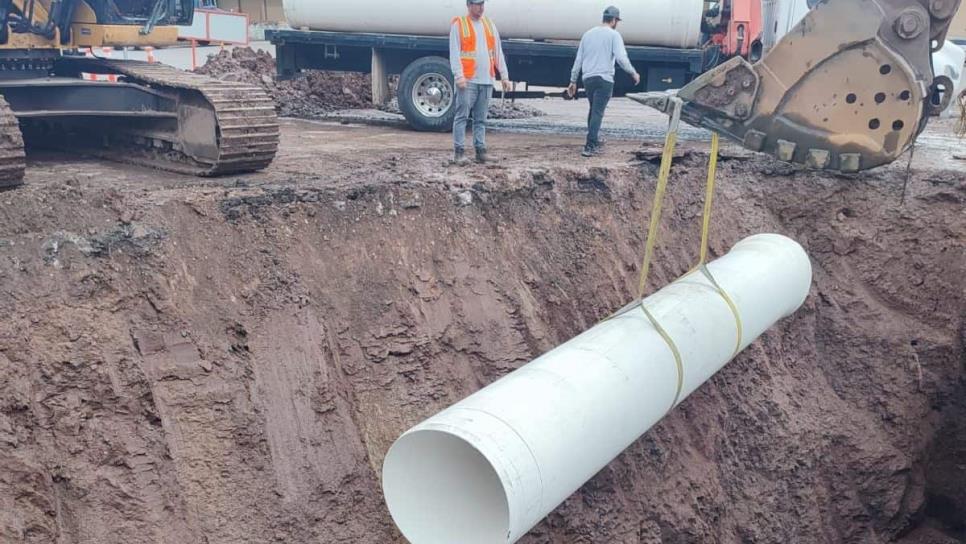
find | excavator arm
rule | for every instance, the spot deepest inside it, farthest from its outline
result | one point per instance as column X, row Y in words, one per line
column 849, row 88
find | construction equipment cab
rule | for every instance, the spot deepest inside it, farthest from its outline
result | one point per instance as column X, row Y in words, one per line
column 60, row 88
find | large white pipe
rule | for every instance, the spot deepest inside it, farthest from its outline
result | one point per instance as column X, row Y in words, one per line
column 671, row 23
column 489, row 468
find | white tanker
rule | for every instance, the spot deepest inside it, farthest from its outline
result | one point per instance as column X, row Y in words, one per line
column 667, row 23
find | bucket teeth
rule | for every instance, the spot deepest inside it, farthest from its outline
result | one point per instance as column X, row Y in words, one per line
column 785, row 150
column 850, row 162
column 817, row 158
column 754, row 140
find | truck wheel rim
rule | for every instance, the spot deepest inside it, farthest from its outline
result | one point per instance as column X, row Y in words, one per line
column 432, row 95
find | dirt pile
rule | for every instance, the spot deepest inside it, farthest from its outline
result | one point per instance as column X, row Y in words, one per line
column 513, row 110
column 498, row 109
column 310, row 96
column 317, row 93
column 230, row 363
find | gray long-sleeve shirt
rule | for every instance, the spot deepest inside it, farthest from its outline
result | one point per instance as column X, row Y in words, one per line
column 599, row 48
column 482, row 75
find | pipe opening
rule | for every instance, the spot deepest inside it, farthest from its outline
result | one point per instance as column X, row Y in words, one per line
column 441, row 489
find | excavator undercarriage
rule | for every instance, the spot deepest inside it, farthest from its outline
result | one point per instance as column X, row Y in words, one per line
column 849, row 88
column 163, row 117
column 147, row 114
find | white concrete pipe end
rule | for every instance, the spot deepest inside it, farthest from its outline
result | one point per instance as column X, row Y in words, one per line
column 442, row 489
column 489, row 468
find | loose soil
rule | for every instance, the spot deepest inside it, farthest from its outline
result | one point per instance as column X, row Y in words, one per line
column 311, row 95
column 316, row 93
column 498, row 109
column 227, row 361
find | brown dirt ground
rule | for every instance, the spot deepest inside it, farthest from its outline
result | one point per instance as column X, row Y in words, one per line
column 227, row 361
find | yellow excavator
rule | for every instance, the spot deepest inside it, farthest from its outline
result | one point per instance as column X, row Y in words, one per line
column 143, row 113
column 849, row 88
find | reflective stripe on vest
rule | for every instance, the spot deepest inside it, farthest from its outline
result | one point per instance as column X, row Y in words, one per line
column 468, row 45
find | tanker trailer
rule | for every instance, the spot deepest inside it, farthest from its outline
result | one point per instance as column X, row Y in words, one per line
column 669, row 42
column 669, row 23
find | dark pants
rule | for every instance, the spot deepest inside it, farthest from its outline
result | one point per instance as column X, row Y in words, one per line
column 599, row 91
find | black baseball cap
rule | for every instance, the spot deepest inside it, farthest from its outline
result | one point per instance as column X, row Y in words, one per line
column 612, row 13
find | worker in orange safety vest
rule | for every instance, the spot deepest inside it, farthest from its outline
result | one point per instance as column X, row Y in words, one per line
column 476, row 57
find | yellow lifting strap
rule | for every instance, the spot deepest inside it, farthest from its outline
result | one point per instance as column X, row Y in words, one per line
column 664, row 173
column 708, row 197
column 667, row 158
column 705, row 235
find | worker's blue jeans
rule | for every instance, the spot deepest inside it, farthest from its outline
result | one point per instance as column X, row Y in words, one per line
column 599, row 92
column 474, row 98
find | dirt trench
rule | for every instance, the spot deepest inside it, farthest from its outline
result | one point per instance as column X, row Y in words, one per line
column 230, row 364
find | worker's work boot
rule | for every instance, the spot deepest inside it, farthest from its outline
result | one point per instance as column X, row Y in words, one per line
column 459, row 158
column 481, row 157
column 590, row 152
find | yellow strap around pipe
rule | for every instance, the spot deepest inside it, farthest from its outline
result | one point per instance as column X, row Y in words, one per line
column 706, row 234
column 667, row 158
column 664, row 173
column 739, row 328
column 678, row 361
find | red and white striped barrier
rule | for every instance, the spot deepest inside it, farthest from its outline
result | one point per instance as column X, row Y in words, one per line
column 106, row 53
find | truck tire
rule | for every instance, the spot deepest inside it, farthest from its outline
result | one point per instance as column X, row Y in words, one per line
column 427, row 96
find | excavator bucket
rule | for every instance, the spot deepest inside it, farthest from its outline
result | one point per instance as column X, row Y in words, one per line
column 849, row 88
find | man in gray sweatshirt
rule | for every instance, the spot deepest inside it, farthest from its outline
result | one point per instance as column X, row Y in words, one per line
column 475, row 56
column 599, row 48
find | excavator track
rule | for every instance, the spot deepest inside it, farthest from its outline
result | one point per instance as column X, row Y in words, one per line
column 243, row 137
column 12, row 160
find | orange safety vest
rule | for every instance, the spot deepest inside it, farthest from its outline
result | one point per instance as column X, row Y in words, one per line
column 468, row 45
